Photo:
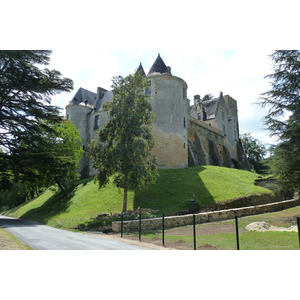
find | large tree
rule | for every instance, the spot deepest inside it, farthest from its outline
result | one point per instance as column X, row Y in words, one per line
column 255, row 151
column 123, row 149
column 25, row 94
column 27, row 117
column 49, row 157
column 283, row 119
column 41, row 160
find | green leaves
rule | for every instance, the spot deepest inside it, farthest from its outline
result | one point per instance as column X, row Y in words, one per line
column 124, row 146
column 25, row 92
column 283, row 101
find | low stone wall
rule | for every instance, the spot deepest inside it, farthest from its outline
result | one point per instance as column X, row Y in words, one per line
column 176, row 221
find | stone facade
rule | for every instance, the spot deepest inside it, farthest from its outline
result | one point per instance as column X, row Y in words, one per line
column 205, row 133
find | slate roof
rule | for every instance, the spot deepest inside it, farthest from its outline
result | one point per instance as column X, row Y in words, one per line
column 159, row 67
column 107, row 96
column 141, row 69
column 82, row 95
column 211, row 107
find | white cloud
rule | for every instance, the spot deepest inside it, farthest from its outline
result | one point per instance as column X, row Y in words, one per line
column 237, row 73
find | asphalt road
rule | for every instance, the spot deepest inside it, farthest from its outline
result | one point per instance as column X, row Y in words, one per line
column 42, row 237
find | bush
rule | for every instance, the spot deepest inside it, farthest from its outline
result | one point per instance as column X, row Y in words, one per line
column 103, row 222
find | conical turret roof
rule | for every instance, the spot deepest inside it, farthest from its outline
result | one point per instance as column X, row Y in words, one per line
column 141, row 69
column 159, row 67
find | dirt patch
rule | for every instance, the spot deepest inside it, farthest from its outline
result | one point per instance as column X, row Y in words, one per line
column 180, row 244
column 263, row 226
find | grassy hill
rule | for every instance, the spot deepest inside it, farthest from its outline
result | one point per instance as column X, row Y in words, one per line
column 172, row 193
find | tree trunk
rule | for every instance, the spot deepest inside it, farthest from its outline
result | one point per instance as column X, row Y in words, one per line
column 125, row 193
column 60, row 185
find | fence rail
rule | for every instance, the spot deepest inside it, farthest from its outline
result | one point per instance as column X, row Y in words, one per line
column 194, row 223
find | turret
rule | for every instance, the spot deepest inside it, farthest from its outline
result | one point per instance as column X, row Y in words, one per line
column 170, row 106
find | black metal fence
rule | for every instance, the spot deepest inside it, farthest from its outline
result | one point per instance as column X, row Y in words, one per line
column 194, row 230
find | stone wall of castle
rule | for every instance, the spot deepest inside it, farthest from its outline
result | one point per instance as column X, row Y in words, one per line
column 170, row 126
column 207, row 145
column 204, row 134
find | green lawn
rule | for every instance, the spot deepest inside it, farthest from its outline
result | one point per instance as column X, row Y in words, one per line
column 249, row 240
column 171, row 194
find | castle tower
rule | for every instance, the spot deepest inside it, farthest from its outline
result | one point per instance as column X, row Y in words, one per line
column 170, row 106
column 78, row 111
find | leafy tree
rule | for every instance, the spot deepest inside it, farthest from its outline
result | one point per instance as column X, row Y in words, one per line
column 25, row 94
column 48, row 157
column 255, row 151
column 124, row 144
column 283, row 118
column 26, row 117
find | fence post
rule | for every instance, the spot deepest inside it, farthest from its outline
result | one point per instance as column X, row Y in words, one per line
column 140, row 227
column 194, row 231
column 237, row 233
column 298, row 224
column 163, row 230
column 121, row 225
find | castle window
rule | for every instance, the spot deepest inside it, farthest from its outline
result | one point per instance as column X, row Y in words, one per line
column 184, row 122
column 97, row 122
column 184, row 93
column 184, row 145
column 68, row 117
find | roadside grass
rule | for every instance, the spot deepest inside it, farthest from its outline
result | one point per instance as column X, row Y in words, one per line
column 9, row 242
column 85, row 201
column 171, row 194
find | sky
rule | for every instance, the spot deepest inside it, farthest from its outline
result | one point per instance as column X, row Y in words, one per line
column 213, row 45
column 238, row 73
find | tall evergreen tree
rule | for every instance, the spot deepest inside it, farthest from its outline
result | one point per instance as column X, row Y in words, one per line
column 26, row 113
column 283, row 119
column 25, row 94
column 124, row 144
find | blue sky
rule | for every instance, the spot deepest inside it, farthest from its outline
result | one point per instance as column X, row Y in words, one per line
column 204, row 70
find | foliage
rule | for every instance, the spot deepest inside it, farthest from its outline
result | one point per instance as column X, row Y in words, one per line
column 124, row 144
column 32, row 142
column 103, row 222
column 283, row 118
column 255, row 151
column 25, row 94
column 42, row 159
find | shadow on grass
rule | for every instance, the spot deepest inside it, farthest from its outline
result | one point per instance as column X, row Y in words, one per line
column 177, row 191
column 55, row 205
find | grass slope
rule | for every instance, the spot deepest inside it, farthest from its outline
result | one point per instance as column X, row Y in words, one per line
column 171, row 193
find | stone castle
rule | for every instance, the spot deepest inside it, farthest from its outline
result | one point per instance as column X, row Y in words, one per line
column 205, row 133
